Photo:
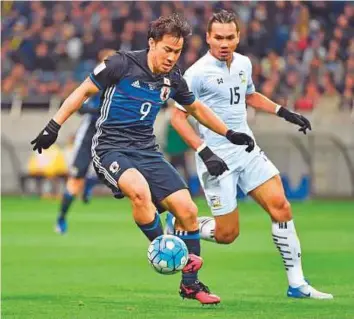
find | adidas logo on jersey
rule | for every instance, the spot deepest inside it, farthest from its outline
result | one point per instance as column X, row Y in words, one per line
column 136, row 84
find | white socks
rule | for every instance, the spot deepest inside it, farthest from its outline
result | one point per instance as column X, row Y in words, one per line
column 287, row 242
column 206, row 228
column 284, row 238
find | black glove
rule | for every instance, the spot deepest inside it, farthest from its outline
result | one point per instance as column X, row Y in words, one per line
column 46, row 137
column 295, row 118
column 240, row 139
column 215, row 165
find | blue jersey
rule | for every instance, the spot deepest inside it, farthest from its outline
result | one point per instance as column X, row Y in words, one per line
column 131, row 98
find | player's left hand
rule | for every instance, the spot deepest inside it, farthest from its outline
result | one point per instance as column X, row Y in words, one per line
column 46, row 137
column 240, row 139
column 215, row 165
column 295, row 118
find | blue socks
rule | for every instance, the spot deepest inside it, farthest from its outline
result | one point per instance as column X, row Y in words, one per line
column 66, row 202
column 153, row 229
column 192, row 241
column 90, row 183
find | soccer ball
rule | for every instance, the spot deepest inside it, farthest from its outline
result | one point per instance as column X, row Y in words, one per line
column 167, row 254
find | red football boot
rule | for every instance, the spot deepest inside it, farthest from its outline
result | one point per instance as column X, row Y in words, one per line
column 199, row 292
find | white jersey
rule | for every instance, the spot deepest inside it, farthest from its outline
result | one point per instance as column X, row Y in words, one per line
column 224, row 90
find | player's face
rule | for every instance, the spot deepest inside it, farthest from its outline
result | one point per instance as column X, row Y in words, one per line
column 223, row 39
column 165, row 53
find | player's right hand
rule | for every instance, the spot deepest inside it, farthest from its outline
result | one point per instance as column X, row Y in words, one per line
column 46, row 137
column 215, row 165
column 295, row 118
column 240, row 139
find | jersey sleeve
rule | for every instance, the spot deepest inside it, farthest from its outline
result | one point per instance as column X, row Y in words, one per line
column 109, row 72
column 183, row 95
column 250, row 86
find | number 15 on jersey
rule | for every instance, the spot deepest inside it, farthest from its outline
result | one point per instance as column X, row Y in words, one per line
column 234, row 95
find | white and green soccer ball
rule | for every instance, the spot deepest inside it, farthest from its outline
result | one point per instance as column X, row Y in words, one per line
column 167, row 254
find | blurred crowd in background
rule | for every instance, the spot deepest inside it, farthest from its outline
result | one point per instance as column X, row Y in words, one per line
column 302, row 52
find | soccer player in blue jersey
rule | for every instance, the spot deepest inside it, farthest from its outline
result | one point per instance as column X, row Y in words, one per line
column 134, row 86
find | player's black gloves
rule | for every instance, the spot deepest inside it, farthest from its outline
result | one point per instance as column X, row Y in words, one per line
column 215, row 165
column 46, row 137
column 295, row 118
column 240, row 139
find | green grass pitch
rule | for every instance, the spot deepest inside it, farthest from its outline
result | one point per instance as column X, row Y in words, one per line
column 100, row 269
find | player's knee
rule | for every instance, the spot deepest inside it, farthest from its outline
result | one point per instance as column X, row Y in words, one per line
column 226, row 235
column 281, row 210
column 75, row 185
column 140, row 197
column 188, row 215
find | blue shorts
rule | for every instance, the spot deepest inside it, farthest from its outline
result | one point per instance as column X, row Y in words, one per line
column 162, row 177
column 82, row 156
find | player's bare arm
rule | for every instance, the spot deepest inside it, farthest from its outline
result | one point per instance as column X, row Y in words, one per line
column 261, row 102
column 72, row 103
column 179, row 120
column 180, row 124
column 215, row 165
column 75, row 100
column 209, row 119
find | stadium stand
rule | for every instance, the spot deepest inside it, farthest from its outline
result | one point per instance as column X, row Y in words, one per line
column 302, row 52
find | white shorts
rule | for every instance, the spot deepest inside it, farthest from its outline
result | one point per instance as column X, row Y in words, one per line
column 221, row 192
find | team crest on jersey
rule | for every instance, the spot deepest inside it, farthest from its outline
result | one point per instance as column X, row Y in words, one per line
column 165, row 93
column 215, row 201
column 242, row 76
column 114, row 167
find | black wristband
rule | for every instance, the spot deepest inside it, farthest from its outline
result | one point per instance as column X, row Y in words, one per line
column 282, row 112
column 229, row 134
column 53, row 126
column 205, row 153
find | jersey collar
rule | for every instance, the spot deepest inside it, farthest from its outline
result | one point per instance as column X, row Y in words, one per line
column 217, row 62
column 141, row 57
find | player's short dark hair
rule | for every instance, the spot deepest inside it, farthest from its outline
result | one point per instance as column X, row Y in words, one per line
column 173, row 25
column 223, row 16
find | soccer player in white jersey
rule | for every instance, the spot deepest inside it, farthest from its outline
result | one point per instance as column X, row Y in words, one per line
column 222, row 79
